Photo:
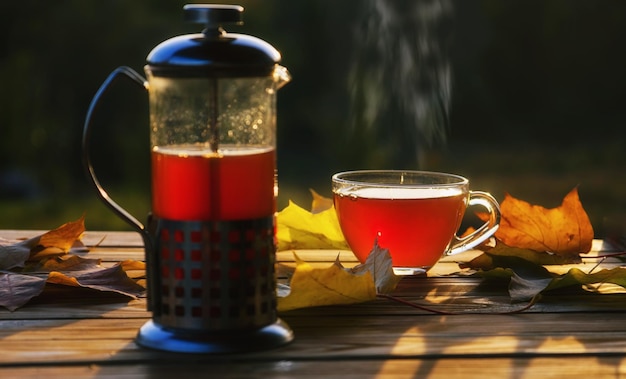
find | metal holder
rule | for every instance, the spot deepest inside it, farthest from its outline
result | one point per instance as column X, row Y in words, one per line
column 215, row 287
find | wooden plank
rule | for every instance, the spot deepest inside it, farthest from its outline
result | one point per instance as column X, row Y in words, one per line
column 446, row 294
column 580, row 367
column 80, row 333
column 454, row 368
column 90, row 238
column 114, row 307
column 113, row 254
column 335, row 338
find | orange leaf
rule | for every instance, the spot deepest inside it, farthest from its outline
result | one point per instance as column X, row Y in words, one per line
column 64, row 236
column 320, row 203
column 564, row 230
column 57, row 241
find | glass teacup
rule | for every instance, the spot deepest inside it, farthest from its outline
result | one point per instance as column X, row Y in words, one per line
column 414, row 214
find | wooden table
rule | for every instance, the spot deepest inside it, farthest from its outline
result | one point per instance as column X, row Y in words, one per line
column 569, row 334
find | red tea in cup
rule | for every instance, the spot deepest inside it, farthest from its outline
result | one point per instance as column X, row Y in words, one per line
column 414, row 214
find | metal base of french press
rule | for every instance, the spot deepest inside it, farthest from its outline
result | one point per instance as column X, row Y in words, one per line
column 155, row 336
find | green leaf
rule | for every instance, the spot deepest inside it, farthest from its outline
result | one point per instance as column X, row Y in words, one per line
column 488, row 260
column 528, row 279
column 576, row 276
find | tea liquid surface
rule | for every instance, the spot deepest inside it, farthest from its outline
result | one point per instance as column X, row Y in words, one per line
column 194, row 183
column 416, row 225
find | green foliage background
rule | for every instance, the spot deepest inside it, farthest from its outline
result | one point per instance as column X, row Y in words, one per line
column 537, row 102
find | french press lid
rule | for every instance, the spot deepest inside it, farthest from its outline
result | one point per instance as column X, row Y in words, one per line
column 214, row 52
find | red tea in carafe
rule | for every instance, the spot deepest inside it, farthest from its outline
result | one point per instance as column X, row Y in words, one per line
column 193, row 183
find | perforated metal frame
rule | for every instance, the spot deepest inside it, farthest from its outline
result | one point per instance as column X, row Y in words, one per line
column 215, row 287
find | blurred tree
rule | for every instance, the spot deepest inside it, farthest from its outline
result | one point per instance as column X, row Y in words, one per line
column 552, row 71
column 524, row 72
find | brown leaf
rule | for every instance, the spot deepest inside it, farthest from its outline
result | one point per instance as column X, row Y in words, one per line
column 14, row 255
column 565, row 230
column 112, row 279
column 379, row 264
column 320, row 203
column 17, row 289
column 135, row 270
column 64, row 263
column 58, row 241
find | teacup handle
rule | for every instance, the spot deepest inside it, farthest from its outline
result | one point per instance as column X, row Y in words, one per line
column 484, row 199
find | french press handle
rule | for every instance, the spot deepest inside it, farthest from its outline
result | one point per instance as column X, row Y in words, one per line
column 102, row 193
column 119, row 72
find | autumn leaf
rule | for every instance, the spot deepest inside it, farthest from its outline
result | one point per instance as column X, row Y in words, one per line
column 298, row 228
column 527, row 281
column 14, row 255
column 17, row 289
column 111, row 279
column 335, row 285
column 565, row 230
column 312, row 287
column 44, row 259
column 135, row 270
column 576, row 276
column 493, row 255
column 55, row 242
column 530, row 239
column 62, row 263
column 58, row 241
column 379, row 264
column 320, row 203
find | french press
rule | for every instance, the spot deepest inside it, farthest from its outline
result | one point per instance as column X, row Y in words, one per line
column 210, row 238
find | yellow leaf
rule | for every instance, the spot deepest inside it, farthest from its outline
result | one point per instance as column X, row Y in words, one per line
column 565, row 230
column 298, row 228
column 312, row 287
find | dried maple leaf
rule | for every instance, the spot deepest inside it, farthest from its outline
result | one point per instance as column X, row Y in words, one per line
column 379, row 264
column 312, row 287
column 111, row 279
column 320, row 203
column 135, row 270
column 297, row 228
column 336, row 285
column 493, row 256
column 564, row 230
column 55, row 242
column 43, row 259
column 14, row 255
column 67, row 262
column 17, row 289
column 528, row 281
